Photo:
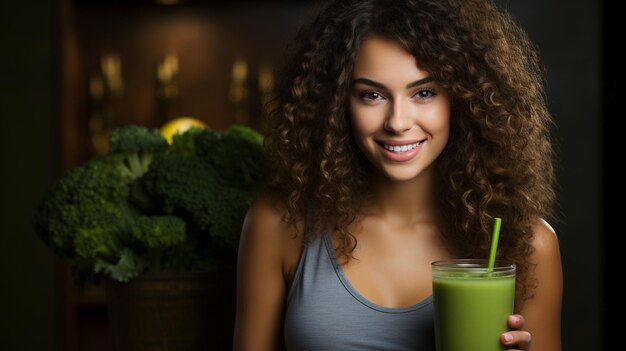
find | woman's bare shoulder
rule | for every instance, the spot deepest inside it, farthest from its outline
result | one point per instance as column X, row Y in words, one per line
column 266, row 212
column 266, row 229
column 546, row 259
column 263, row 270
column 266, row 217
column 545, row 241
column 542, row 310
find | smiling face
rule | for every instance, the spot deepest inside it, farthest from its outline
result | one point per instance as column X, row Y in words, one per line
column 400, row 117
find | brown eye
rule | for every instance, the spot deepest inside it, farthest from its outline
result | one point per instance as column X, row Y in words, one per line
column 371, row 96
column 425, row 94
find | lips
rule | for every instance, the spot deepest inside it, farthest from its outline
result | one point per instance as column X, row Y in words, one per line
column 401, row 148
column 401, row 151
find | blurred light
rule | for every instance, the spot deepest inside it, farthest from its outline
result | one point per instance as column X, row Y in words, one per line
column 238, row 91
column 111, row 66
column 168, row 68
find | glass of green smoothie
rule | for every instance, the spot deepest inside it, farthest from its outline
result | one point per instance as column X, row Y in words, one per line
column 472, row 303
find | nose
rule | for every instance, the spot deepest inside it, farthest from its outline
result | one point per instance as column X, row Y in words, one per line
column 398, row 119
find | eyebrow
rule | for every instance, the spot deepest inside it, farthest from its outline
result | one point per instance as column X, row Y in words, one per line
column 382, row 86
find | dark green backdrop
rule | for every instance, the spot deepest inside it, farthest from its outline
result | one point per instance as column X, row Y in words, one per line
column 567, row 32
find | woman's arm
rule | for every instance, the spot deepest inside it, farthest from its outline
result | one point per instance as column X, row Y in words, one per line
column 542, row 312
column 261, row 283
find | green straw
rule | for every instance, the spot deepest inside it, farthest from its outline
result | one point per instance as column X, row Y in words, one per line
column 494, row 243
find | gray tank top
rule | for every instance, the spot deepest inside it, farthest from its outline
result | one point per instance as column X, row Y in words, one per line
column 325, row 313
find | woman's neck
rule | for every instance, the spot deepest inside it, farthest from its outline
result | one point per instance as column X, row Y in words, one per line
column 403, row 203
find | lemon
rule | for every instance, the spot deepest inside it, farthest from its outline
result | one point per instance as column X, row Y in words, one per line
column 179, row 125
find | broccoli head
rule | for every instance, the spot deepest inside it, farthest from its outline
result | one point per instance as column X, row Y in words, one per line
column 209, row 178
column 159, row 232
column 137, row 145
column 239, row 161
column 185, row 143
column 87, row 197
column 247, row 133
column 86, row 216
column 147, row 205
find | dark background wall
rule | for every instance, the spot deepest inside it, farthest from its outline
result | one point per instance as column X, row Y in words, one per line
column 28, row 287
column 569, row 37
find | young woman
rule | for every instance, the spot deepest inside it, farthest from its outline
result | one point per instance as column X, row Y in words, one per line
column 403, row 128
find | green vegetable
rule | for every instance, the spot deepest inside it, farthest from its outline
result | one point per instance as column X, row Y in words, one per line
column 137, row 145
column 150, row 206
column 247, row 133
column 209, row 178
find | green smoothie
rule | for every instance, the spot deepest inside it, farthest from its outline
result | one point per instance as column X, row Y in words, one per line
column 472, row 304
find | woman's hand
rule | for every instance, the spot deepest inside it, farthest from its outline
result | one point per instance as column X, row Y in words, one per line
column 516, row 339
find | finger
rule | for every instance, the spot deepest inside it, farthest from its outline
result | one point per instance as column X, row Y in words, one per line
column 516, row 321
column 517, row 338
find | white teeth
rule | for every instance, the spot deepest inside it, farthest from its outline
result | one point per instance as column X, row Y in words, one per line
column 402, row 148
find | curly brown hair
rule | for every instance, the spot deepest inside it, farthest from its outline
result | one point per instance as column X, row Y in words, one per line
column 498, row 161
